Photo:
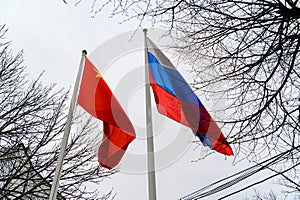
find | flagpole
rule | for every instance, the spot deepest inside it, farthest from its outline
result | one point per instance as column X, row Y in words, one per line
column 150, row 145
column 54, row 187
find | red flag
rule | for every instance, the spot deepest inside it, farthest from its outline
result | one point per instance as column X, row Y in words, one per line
column 97, row 99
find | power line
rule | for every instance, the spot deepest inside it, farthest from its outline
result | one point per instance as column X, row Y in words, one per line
column 240, row 176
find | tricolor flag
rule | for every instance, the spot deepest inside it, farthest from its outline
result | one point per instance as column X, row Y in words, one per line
column 176, row 100
column 97, row 99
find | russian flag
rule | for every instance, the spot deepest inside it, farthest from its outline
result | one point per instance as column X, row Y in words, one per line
column 175, row 99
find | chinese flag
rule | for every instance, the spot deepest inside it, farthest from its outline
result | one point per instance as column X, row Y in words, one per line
column 97, row 99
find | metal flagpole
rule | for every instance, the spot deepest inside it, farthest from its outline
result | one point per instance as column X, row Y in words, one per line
column 53, row 192
column 150, row 145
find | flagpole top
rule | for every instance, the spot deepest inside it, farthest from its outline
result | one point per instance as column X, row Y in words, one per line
column 84, row 52
column 145, row 30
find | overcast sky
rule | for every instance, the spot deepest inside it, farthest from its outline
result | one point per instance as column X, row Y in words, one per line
column 53, row 34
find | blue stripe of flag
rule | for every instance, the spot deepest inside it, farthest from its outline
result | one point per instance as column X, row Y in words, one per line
column 172, row 81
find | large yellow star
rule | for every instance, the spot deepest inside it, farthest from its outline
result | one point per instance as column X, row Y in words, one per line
column 98, row 75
